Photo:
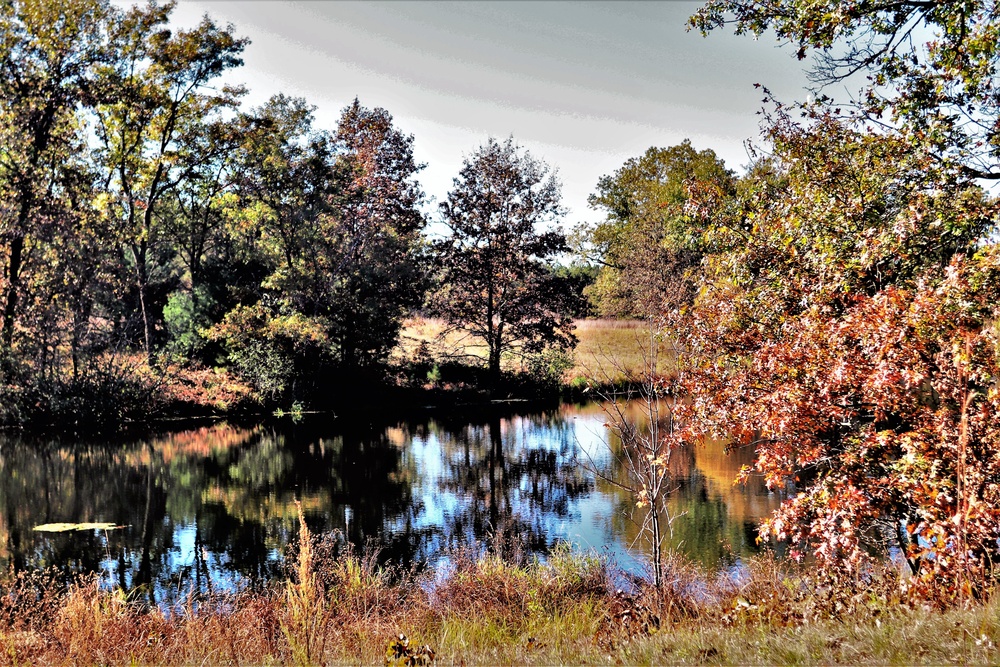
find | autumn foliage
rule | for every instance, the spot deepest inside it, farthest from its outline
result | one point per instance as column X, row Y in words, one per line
column 846, row 331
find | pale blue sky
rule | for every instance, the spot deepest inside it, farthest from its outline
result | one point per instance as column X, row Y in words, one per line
column 582, row 85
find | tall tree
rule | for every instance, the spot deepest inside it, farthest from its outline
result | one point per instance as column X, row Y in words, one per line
column 335, row 218
column 649, row 241
column 380, row 277
column 156, row 92
column 496, row 282
column 48, row 55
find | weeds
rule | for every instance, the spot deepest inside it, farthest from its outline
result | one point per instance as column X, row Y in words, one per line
column 338, row 606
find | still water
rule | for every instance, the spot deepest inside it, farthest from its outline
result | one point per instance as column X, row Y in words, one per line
column 213, row 507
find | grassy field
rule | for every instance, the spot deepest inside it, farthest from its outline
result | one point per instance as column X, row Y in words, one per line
column 608, row 350
column 339, row 609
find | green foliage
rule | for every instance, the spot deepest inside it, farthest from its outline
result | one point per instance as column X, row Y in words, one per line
column 294, row 412
column 155, row 97
column 187, row 315
column 273, row 350
column 336, row 221
column 548, row 367
column 931, row 64
column 649, row 240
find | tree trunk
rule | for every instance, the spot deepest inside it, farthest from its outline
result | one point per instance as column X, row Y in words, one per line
column 14, row 264
column 142, row 285
column 494, row 370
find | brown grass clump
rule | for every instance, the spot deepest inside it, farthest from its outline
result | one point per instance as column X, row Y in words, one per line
column 488, row 588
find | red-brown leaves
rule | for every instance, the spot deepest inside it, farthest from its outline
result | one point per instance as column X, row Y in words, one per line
column 846, row 331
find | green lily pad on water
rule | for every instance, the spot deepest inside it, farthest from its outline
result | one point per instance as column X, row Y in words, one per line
column 66, row 527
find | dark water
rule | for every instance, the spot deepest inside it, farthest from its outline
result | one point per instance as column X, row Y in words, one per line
column 214, row 507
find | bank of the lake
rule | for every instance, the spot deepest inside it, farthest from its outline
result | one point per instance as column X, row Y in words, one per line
column 338, row 609
column 426, row 371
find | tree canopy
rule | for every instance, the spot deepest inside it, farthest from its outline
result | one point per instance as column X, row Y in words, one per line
column 927, row 67
column 497, row 286
column 648, row 241
column 845, row 325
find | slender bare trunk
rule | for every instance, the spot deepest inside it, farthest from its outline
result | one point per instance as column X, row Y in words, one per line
column 13, row 274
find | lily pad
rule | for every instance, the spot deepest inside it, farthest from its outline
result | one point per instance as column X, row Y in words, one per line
column 66, row 527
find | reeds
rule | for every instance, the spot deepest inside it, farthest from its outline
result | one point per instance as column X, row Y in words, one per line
column 339, row 607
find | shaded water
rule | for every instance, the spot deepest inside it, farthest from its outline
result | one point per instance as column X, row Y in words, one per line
column 213, row 507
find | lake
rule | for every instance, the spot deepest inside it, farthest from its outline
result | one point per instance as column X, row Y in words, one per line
column 213, row 507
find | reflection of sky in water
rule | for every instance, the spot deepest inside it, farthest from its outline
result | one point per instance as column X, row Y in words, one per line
column 219, row 501
column 587, row 523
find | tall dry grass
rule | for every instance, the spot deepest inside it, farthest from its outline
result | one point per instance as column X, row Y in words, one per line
column 339, row 607
column 608, row 350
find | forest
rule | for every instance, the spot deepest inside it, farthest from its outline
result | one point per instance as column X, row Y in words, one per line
column 832, row 307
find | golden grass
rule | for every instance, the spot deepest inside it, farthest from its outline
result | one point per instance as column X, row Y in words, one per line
column 608, row 350
column 339, row 608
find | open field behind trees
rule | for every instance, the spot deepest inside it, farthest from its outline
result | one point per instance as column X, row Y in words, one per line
column 608, row 350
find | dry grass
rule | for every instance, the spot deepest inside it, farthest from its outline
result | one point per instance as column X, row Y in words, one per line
column 339, row 608
column 608, row 350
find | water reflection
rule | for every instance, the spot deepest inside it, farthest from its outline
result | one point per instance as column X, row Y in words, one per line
column 214, row 506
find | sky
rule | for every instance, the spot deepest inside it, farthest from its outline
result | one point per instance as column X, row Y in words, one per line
column 583, row 86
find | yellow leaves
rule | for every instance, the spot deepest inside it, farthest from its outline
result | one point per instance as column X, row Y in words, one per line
column 101, row 202
column 399, row 654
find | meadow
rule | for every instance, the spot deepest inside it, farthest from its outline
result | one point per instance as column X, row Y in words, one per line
column 607, row 351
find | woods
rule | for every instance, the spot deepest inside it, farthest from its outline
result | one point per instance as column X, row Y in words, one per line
column 149, row 212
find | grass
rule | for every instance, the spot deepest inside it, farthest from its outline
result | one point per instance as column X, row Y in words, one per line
column 608, row 350
column 337, row 607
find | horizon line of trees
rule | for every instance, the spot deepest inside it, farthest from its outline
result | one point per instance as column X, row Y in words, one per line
column 146, row 211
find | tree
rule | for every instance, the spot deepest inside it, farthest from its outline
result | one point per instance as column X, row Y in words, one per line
column 48, row 55
column 496, row 285
column 334, row 218
column 647, row 243
column 194, row 226
column 844, row 333
column 379, row 278
column 931, row 65
column 849, row 331
column 155, row 94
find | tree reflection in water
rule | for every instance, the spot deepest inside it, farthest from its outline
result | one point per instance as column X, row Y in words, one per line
column 213, row 507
